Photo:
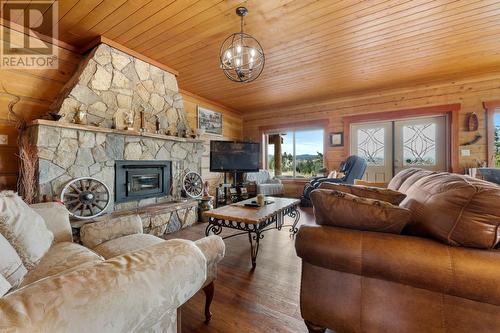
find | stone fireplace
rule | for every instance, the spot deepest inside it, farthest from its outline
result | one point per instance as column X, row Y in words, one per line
column 142, row 168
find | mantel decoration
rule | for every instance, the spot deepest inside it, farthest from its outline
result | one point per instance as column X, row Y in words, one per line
column 241, row 56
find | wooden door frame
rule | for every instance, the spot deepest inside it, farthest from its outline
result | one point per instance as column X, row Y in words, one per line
column 489, row 108
column 450, row 110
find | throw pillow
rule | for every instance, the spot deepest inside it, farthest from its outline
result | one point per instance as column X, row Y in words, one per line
column 383, row 194
column 345, row 210
column 4, row 286
column 24, row 229
column 11, row 266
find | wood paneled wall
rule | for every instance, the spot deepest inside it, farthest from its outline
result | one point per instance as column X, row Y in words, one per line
column 470, row 93
column 36, row 89
column 232, row 123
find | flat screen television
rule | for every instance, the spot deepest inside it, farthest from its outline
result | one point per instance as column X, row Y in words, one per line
column 230, row 156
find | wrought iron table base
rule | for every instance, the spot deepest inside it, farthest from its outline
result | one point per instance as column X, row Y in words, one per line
column 255, row 231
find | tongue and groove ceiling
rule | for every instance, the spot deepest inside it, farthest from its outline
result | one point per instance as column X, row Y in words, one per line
column 314, row 49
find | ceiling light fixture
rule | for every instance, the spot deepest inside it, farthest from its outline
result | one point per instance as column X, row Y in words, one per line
column 241, row 56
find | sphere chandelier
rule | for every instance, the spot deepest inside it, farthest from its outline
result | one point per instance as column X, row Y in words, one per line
column 241, row 56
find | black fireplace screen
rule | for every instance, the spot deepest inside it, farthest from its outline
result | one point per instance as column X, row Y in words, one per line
column 135, row 180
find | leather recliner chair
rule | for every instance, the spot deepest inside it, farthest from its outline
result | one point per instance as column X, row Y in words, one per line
column 353, row 168
column 440, row 275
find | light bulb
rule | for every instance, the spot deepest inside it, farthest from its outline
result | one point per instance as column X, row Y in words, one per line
column 238, row 48
column 228, row 54
column 252, row 53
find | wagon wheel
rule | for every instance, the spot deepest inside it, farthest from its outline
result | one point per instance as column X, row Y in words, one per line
column 192, row 184
column 85, row 198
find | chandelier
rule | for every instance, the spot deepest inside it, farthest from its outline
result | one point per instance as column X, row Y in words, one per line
column 241, row 56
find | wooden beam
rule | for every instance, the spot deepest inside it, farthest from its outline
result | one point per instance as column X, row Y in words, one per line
column 118, row 46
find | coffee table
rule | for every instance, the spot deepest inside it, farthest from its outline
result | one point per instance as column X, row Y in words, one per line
column 253, row 220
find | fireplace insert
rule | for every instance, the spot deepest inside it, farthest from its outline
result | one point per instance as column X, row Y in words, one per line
column 136, row 180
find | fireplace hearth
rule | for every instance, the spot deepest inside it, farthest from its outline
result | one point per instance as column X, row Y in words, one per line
column 136, row 180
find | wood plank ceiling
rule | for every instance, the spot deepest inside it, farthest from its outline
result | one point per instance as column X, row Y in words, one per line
column 315, row 48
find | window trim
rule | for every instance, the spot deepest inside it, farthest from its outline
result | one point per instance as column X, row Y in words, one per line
column 490, row 108
column 296, row 126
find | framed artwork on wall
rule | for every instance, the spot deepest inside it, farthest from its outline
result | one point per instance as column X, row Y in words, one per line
column 336, row 139
column 210, row 121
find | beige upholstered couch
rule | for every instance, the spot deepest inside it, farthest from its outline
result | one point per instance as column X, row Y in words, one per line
column 74, row 289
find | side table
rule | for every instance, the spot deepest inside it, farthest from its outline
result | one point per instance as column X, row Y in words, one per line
column 204, row 204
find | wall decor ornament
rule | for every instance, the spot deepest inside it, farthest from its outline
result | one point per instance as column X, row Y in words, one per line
column 209, row 121
column 241, row 56
column 337, row 139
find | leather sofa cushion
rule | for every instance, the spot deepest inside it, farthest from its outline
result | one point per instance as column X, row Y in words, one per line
column 414, row 261
column 455, row 209
column 383, row 194
column 341, row 209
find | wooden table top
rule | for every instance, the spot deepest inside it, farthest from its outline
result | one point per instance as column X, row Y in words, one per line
column 251, row 215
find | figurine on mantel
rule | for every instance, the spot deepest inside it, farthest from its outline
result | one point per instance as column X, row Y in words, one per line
column 129, row 121
column 143, row 122
column 157, row 125
column 79, row 117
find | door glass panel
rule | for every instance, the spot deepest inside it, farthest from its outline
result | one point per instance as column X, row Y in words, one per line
column 419, row 144
column 371, row 145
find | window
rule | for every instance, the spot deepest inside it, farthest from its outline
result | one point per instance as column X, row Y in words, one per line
column 493, row 132
column 294, row 153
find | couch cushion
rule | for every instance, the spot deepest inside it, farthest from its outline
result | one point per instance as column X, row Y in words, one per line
column 345, row 210
column 93, row 234
column 24, row 229
column 61, row 257
column 56, row 218
column 270, row 189
column 11, row 266
column 455, row 209
column 383, row 194
column 125, row 244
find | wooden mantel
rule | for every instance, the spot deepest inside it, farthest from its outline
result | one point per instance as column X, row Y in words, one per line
column 59, row 124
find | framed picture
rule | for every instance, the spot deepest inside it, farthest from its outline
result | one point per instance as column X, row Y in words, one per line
column 210, row 120
column 336, row 139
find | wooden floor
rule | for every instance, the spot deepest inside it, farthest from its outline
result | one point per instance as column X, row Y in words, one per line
column 264, row 300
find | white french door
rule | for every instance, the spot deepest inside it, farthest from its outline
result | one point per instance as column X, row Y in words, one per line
column 391, row 146
column 373, row 142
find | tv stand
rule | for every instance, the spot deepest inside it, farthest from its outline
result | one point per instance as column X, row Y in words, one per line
column 237, row 191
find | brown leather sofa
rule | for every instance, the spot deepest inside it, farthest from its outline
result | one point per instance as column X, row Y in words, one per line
column 442, row 274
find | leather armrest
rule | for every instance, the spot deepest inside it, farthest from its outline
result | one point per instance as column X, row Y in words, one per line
column 414, row 261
